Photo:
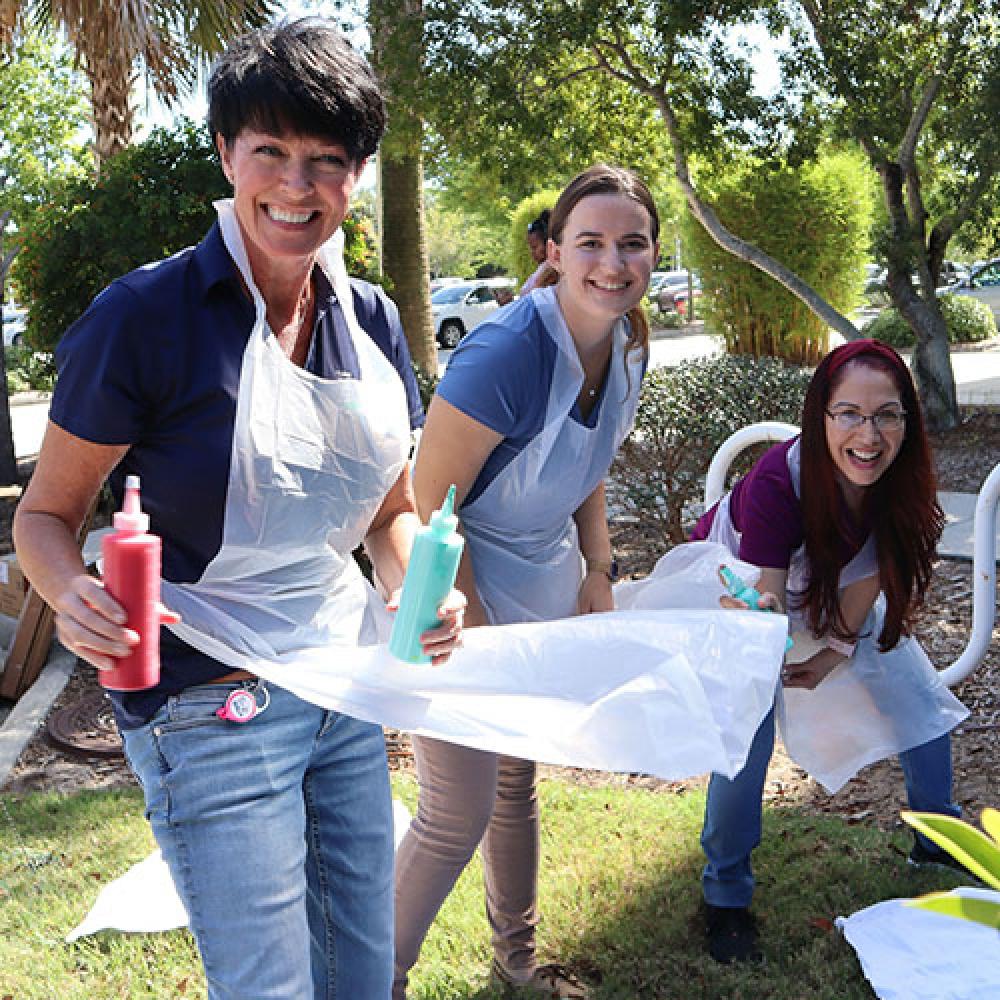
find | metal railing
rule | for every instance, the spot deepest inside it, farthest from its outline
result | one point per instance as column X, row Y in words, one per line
column 984, row 559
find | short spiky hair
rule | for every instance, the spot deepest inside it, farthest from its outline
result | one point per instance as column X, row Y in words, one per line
column 302, row 78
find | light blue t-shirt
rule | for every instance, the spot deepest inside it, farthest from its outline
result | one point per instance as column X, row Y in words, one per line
column 500, row 375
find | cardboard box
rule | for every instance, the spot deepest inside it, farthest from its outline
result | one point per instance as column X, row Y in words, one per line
column 13, row 586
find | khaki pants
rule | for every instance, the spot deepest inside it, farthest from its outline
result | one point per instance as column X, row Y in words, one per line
column 467, row 797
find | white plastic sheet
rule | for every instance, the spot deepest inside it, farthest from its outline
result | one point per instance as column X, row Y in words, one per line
column 144, row 898
column 911, row 954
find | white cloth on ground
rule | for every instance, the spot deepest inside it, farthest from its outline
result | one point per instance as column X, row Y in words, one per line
column 911, row 954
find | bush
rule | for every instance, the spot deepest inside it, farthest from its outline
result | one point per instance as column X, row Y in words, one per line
column 815, row 219
column 968, row 321
column 151, row 200
column 426, row 383
column 685, row 414
column 29, row 370
column 522, row 265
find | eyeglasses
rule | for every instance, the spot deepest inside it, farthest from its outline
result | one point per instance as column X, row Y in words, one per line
column 885, row 420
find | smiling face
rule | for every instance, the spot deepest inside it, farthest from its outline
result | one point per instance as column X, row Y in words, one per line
column 862, row 455
column 290, row 192
column 604, row 258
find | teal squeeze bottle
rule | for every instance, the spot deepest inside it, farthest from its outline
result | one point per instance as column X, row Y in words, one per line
column 742, row 591
column 431, row 574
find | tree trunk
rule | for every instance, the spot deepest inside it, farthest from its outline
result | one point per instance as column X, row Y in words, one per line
column 397, row 43
column 931, row 364
column 404, row 253
column 8, row 460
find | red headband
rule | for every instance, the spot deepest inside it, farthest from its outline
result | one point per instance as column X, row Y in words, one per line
column 839, row 357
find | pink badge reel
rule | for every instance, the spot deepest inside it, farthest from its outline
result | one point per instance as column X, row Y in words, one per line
column 241, row 705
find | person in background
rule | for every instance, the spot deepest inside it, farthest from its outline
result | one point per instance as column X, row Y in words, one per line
column 525, row 422
column 538, row 240
column 266, row 402
column 834, row 517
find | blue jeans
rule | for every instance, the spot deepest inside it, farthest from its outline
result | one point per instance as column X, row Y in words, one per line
column 734, row 808
column 278, row 834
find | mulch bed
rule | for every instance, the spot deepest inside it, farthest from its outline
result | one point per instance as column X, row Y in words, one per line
column 964, row 457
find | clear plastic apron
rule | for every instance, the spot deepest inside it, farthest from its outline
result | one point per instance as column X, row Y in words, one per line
column 312, row 460
column 520, row 531
column 869, row 707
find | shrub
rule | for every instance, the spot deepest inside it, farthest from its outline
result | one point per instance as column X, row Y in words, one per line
column 685, row 414
column 28, row 369
column 151, row 200
column 968, row 321
column 522, row 265
column 815, row 220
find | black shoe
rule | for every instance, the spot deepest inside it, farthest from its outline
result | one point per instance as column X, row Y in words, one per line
column 923, row 857
column 731, row 934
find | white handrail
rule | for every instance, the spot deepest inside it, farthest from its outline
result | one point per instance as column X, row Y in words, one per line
column 767, row 430
column 984, row 581
column 984, row 526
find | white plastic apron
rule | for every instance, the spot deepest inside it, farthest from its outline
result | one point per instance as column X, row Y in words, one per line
column 520, row 531
column 869, row 707
column 312, row 460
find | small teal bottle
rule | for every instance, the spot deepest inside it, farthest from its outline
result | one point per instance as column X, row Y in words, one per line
column 434, row 560
column 742, row 591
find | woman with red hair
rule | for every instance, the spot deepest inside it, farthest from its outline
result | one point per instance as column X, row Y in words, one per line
column 835, row 517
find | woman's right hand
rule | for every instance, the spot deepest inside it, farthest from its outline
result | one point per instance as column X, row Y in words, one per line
column 768, row 602
column 91, row 624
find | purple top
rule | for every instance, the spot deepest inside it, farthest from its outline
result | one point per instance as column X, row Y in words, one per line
column 766, row 511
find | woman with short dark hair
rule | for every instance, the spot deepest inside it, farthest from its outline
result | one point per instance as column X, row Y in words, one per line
column 266, row 401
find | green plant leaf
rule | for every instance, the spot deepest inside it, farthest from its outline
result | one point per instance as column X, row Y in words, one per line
column 965, row 843
column 950, row 904
column 991, row 823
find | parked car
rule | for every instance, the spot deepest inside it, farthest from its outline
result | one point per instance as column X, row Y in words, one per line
column 461, row 307
column 437, row 283
column 982, row 284
column 674, row 285
column 14, row 321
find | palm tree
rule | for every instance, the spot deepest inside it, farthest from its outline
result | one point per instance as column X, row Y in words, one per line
column 114, row 41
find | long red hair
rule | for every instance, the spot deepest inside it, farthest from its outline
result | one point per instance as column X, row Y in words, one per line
column 901, row 506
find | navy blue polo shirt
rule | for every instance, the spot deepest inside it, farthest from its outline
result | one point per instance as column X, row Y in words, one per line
column 154, row 363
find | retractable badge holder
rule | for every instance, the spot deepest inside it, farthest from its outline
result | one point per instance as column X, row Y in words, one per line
column 241, row 705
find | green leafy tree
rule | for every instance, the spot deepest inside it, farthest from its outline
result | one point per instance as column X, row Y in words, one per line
column 826, row 246
column 461, row 244
column 921, row 64
column 89, row 230
column 918, row 87
column 115, row 42
column 42, row 110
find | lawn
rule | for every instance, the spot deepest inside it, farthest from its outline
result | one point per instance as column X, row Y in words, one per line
column 619, row 901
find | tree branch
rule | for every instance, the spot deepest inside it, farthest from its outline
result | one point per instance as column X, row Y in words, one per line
column 738, row 247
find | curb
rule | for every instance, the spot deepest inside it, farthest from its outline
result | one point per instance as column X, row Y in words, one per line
column 30, row 710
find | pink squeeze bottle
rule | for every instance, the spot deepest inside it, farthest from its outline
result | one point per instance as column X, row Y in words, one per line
column 132, row 578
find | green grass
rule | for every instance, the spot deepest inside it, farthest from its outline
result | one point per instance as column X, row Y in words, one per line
column 619, row 899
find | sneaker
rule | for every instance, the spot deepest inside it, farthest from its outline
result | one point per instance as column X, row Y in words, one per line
column 554, row 981
column 731, row 934
column 923, row 857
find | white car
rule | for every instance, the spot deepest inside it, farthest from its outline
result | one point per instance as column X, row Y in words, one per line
column 982, row 284
column 14, row 320
column 461, row 307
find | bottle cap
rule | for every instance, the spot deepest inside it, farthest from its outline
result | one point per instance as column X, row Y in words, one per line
column 443, row 521
column 130, row 519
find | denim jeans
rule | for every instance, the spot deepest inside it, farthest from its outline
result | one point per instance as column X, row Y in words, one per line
column 278, row 834
column 733, row 811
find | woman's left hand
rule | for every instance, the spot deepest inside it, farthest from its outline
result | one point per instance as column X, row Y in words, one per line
column 806, row 674
column 595, row 594
column 442, row 640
